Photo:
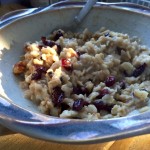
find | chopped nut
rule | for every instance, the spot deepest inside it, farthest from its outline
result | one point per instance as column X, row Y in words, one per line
column 19, row 67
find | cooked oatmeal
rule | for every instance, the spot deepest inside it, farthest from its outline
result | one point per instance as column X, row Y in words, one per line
column 86, row 75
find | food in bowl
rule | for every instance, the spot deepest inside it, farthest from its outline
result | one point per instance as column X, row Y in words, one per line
column 86, row 75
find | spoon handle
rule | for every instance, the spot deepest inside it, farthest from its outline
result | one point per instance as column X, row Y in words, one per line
column 84, row 11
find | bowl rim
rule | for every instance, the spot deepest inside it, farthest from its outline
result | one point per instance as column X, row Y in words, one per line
column 23, row 13
column 29, row 122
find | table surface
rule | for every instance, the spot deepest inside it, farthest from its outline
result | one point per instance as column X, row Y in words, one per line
column 18, row 141
column 21, row 142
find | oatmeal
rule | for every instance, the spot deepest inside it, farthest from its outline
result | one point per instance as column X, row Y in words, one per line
column 86, row 75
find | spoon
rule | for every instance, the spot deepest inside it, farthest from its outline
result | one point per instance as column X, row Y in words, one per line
column 85, row 10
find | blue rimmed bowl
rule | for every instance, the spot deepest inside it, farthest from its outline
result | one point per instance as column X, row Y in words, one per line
column 21, row 115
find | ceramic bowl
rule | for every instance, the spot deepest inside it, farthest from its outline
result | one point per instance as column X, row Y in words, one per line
column 21, row 115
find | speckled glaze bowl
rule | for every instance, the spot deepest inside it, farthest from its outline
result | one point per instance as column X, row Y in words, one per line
column 21, row 115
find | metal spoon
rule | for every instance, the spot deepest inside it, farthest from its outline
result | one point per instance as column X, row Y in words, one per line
column 85, row 10
column 79, row 18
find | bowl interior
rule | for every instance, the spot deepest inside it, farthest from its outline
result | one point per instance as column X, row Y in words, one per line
column 33, row 27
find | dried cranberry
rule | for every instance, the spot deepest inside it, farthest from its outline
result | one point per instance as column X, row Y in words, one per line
column 122, row 85
column 64, row 106
column 66, row 64
column 86, row 103
column 102, row 93
column 57, row 96
column 47, row 42
column 38, row 72
column 78, row 104
column 58, row 35
column 51, row 43
column 36, row 76
column 138, row 71
column 110, row 81
column 40, row 46
column 85, row 90
column 78, row 53
column 43, row 38
column 77, row 90
column 100, row 105
column 80, row 90
column 41, row 69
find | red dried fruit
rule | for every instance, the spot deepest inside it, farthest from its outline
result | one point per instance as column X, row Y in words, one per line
column 78, row 104
column 64, row 106
column 40, row 46
column 110, row 81
column 57, row 96
column 138, row 71
column 80, row 90
column 58, row 35
column 43, row 39
column 85, row 91
column 66, row 64
column 100, row 105
column 41, row 69
column 36, row 76
column 102, row 93
column 77, row 90
column 47, row 42
column 50, row 43
column 86, row 103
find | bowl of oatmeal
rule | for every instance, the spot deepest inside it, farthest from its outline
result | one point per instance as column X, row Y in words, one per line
column 85, row 85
